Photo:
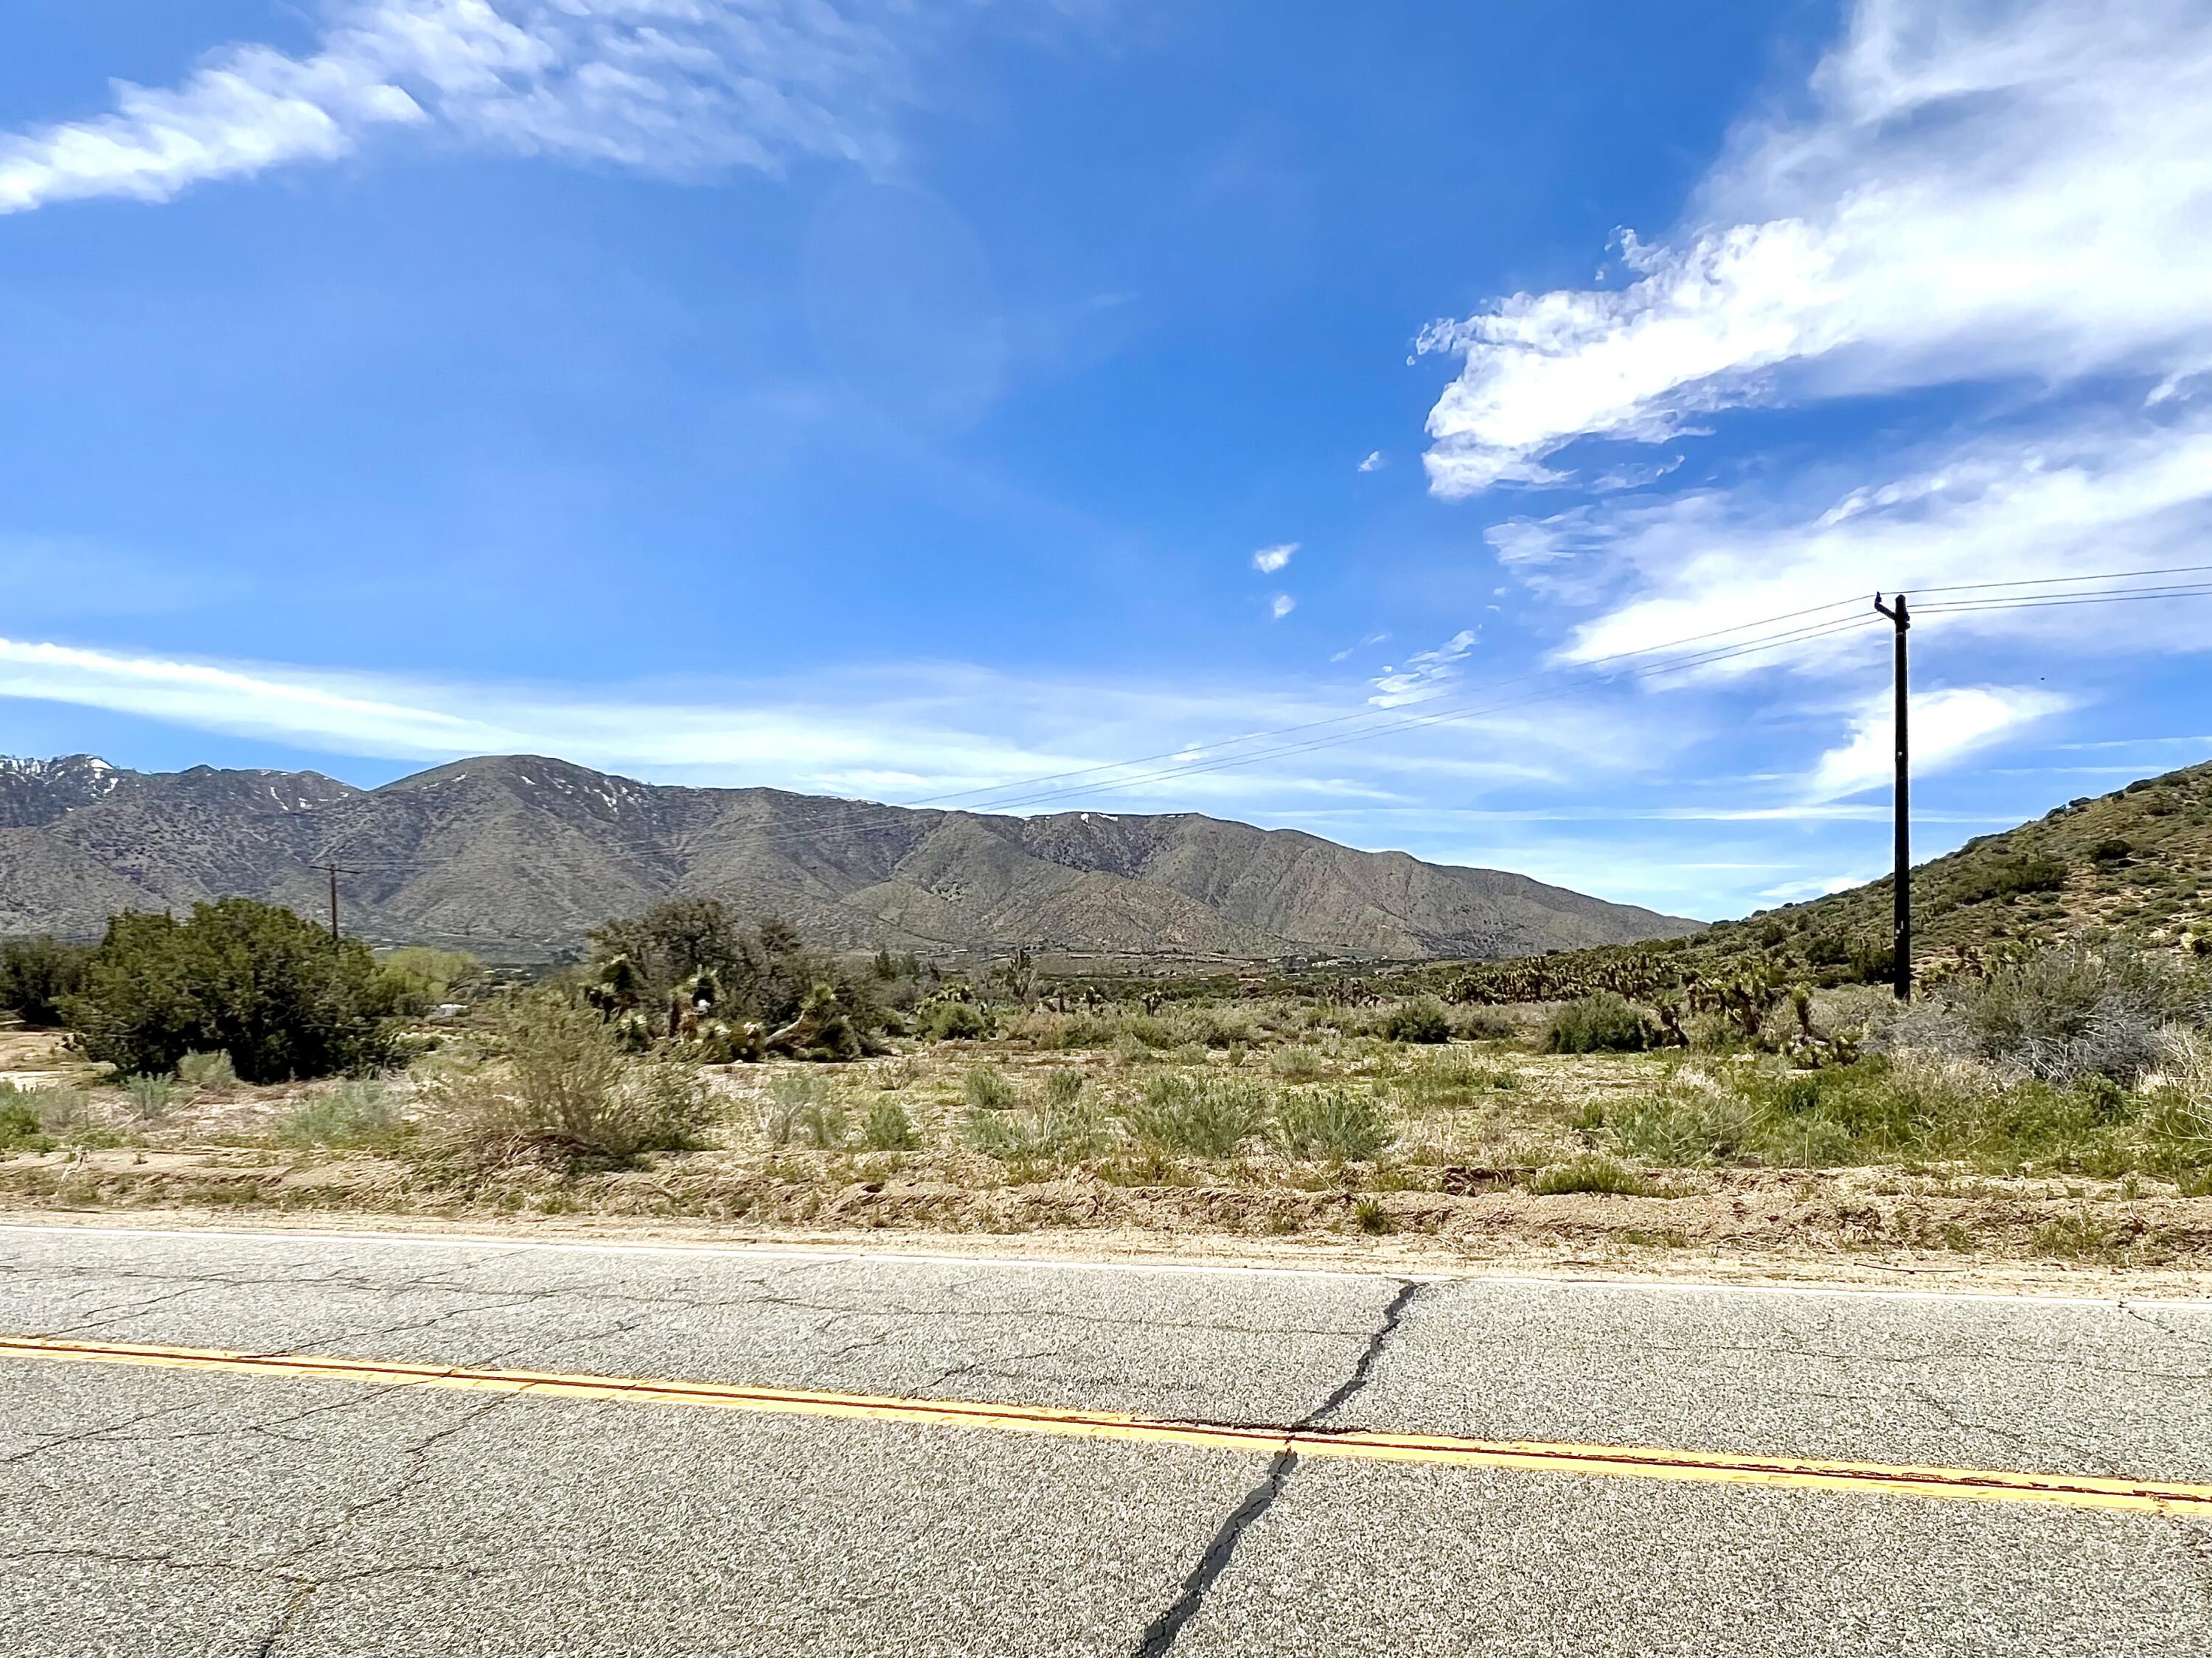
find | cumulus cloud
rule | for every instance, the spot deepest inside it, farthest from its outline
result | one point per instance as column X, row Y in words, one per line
column 1268, row 560
column 1977, row 190
column 1280, row 606
column 1374, row 463
column 665, row 86
column 1946, row 726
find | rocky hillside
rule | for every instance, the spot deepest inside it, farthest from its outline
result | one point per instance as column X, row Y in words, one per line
column 2137, row 861
column 514, row 856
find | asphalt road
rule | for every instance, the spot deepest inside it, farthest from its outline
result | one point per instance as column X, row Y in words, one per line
column 148, row 1509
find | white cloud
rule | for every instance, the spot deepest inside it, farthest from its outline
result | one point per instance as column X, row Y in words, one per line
column 1978, row 190
column 905, row 730
column 1946, row 726
column 2109, row 496
column 1268, row 560
column 1280, row 606
column 1424, row 671
column 1792, row 892
column 1374, row 463
column 1365, row 639
column 666, row 86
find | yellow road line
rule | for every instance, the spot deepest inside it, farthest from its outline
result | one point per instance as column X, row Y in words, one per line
column 1633, row 1462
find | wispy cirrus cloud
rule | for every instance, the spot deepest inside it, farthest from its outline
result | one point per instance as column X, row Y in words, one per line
column 1946, row 726
column 2005, row 199
column 1423, row 673
column 2058, row 500
column 673, row 87
column 901, row 731
column 1978, row 191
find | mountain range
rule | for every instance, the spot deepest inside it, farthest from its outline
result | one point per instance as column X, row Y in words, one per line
column 515, row 856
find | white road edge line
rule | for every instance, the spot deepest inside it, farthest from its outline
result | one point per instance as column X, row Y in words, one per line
column 893, row 1258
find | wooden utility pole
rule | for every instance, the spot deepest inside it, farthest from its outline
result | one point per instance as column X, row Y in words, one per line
column 333, row 870
column 1901, row 619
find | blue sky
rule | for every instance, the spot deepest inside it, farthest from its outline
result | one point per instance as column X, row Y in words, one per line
column 906, row 400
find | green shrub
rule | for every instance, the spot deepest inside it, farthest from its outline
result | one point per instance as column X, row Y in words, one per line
column 198, row 1071
column 569, row 1093
column 360, row 1111
column 19, row 1127
column 150, row 1096
column 890, row 1127
column 1423, row 1019
column 1603, row 1023
column 1008, row 1136
column 1371, row 1217
column 800, row 1109
column 1452, row 1080
column 985, row 1089
column 1808, row 1143
column 37, row 975
column 1682, row 1128
column 1483, row 1023
column 946, row 1022
column 1066, row 1130
column 37, row 1116
column 1296, row 1065
column 2003, row 877
column 2079, row 1010
column 1200, row 1119
column 421, row 978
column 1590, row 1173
column 1063, row 1088
column 1334, row 1123
column 1218, row 1027
column 281, row 997
column 820, row 1122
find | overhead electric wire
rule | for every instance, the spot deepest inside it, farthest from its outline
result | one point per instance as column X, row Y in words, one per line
column 2055, row 580
column 1381, row 721
column 1203, row 758
column 1443, row 716
column 2195, row 590
column 1313, row 724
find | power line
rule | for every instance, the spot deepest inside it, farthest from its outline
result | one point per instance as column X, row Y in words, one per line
column 2055, row 580
column 2196, row 590
column 1284, row 730
column 1381, row 722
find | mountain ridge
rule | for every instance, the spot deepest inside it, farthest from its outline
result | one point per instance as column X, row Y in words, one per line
column 515, row 855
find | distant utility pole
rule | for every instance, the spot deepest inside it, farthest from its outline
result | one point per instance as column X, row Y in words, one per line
column 1901, row 619
column 334, row 871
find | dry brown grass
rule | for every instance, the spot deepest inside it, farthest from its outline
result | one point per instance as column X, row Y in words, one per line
column 1475, row 1128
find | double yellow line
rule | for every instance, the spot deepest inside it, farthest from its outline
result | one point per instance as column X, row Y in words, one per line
column 1631, row 1461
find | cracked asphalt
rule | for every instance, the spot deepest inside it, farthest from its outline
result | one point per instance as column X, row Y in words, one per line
column 154, row 1511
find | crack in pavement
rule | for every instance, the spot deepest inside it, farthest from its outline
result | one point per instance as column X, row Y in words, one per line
column 755, row 1291
column 2032, row 1444
column 1160, row 1636
column 2164, row 1329
column 417, row 1456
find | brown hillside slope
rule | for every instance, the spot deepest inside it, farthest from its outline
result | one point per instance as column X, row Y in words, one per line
column 517, row 855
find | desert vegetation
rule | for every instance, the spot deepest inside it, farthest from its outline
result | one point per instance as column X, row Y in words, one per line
column 692, row 1063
